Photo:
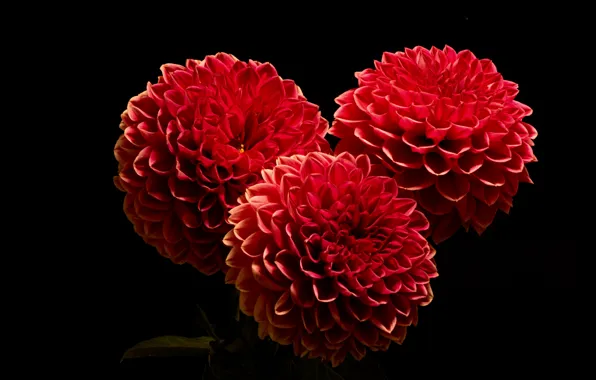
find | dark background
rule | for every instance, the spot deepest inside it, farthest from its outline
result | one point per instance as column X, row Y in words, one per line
column 506, row 297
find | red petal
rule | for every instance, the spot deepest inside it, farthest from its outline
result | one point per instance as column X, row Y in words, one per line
column 480, row 142
column 511, row 184
column 245, row 228
column 337, row 335
column 240, row 213
column 367, row 333
column 284, row 304
column 325, row 290
column 141, row 108
column 432, row 201
column 184, row 190
column 496, row 130
column 524, row 176
column 232, row 275
column 484, row 214
column 363, row 163
column 532, row 132
column 215, row 65
column 490, row 174
column 281, row 321
column 401, row 154
column 337, row 173
column 245, row 281
column 323, row 317
column 491, row 194
column 408, row 124
column 357, row 309
column 247, row 302
column 462, row 130
column 260, row 309
column 436, row 163
column 278, row 220
column 419, row 143
column 237, row 259
column 379, row 112
column 466, row 208
column 446, row 227
column 302, row 293
column 454, row 148
column 470, row 162
column 524, row 150
column 272, row 91
column 187, row 214
column 515, row 165
column 264, row 216
column 498, row 152
column 453, row 186
column 161, row 162
column 263, row 277
column 346, row 97
column 173, row 100
column 408, row 283
column 415, row 179
column 405, row 205
column 402, row 304
column 436, row 129
column 363, row 98
column 418, row 221
column 255, row 244
column 158, row 188
column 367, row 135
column 311, row 268
column 311, row 166
column 266, row 70
column 512, row 139
column 384, row 317
column 172, row 229
column 380, row 287
column 289, row 264
column 308, row 319
column 141, row 163
column 393, row 283
column 341, row 316
column 207, row 201
column 348, row 113
column 311, row 341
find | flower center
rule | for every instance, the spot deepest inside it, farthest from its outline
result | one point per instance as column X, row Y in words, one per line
column 237, row 144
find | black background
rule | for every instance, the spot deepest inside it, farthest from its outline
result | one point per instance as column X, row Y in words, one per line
column 507, row 297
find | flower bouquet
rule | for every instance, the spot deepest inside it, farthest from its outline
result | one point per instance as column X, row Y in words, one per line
column 330, row 250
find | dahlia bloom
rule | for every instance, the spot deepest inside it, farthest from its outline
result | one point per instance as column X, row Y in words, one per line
column 449, row 129
column 326, row 257
column 196, row 139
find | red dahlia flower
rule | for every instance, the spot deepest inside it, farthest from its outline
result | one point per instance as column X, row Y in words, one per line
column 327, row 258
column 196, row 139
column 448, row 126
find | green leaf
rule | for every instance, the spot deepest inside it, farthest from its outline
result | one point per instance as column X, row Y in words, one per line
column 236, row 346
column 205, row 324
column 169, row 346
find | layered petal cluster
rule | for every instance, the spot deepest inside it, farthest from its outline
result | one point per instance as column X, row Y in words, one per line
column 196, row 139
column 328, row 258
column 448, row 127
